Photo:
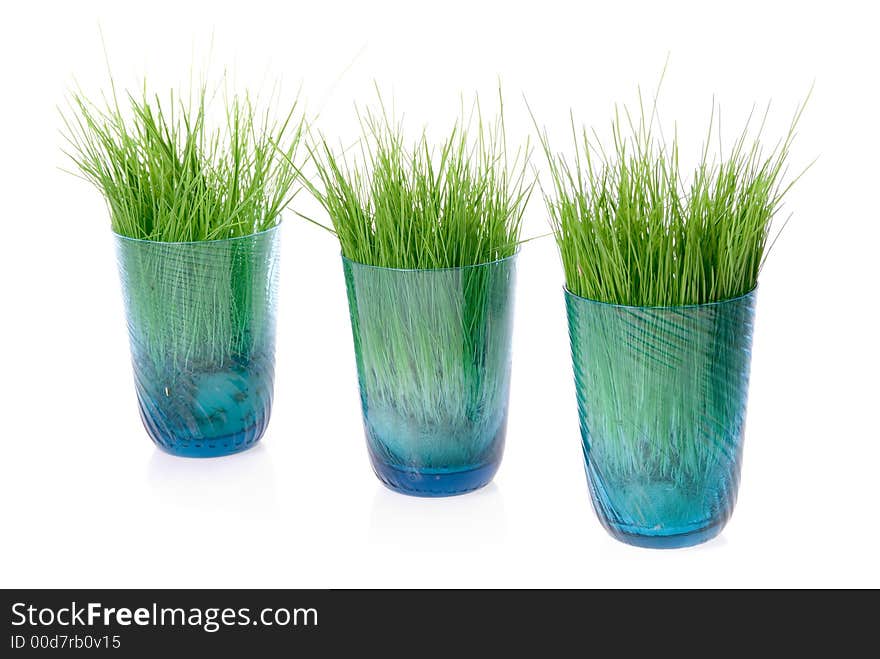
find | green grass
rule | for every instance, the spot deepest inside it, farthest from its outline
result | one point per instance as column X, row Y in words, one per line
column 662, row 386
column 432, row 338
column 633, row 230
column 167, row 175
column 179, row 189
column 418, row 207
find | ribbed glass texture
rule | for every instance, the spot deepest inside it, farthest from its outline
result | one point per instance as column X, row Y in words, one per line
column 201, row 319
column 662, row 400
column 433, row 360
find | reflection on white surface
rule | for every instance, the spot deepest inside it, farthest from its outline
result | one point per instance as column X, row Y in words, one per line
column 416, row 523
column 240, row 485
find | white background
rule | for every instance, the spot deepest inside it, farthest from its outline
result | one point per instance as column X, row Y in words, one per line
column 85, row 498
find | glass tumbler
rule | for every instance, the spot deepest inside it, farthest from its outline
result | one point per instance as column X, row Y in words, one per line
column 661, row 395
column 433, row 361
column 201, row 320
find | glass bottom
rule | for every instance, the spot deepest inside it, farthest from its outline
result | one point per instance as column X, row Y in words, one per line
column 667, row 538
column 433, row 482
column 662, row 514
column 206, row 413
column 209, row 447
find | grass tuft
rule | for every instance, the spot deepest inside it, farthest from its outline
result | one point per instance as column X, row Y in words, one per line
column 168, row 176
column 420, row 207
column 633, row 230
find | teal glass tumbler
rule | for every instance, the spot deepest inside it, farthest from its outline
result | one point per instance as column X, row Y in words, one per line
column 433, row 361
column 201, row 321
column 661, row 395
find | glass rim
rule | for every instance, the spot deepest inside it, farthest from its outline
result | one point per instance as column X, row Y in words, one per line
column 669, row 307
column 446, row 269
column 197, row 242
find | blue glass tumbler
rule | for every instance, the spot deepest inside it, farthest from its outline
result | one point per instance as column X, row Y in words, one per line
column 433, row 361
column 201, row 320
column 661, row 395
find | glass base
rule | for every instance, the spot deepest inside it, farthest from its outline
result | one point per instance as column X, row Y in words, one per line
column 205, row 448
column 432, row 482
column 667, row 538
